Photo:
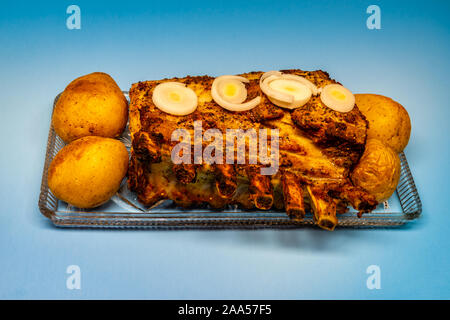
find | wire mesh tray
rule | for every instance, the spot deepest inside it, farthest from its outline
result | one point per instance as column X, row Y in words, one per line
column 124, row 211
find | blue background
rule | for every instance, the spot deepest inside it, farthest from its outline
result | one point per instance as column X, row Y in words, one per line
column 408, row 60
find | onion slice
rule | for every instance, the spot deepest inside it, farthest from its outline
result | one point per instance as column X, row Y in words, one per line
column 306, row 82
column 337, row 97
column 299, row 92
column 287, row 90
column 234, row 100
column 264, row 81
column 232, row 90
column 175, row 98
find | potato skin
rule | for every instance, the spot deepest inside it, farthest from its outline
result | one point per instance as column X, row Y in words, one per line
column 91, row 105
column 388, row 120
column 378, row 170
column 87, row 172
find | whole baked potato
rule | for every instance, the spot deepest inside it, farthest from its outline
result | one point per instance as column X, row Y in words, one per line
column 91, row 105
column 87, row 172
column 388, row 120
column 378, row 170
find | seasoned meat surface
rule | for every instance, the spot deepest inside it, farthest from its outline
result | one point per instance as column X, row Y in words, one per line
column 318, row 148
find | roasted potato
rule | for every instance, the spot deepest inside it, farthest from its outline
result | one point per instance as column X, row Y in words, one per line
column 87, row 172
column 388, row 120
column 378, row 170
column 92, row 105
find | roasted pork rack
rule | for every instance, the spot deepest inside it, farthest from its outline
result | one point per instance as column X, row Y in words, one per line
column 318, row 148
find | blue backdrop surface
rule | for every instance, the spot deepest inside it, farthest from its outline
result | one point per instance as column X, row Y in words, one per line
column 407, row 59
